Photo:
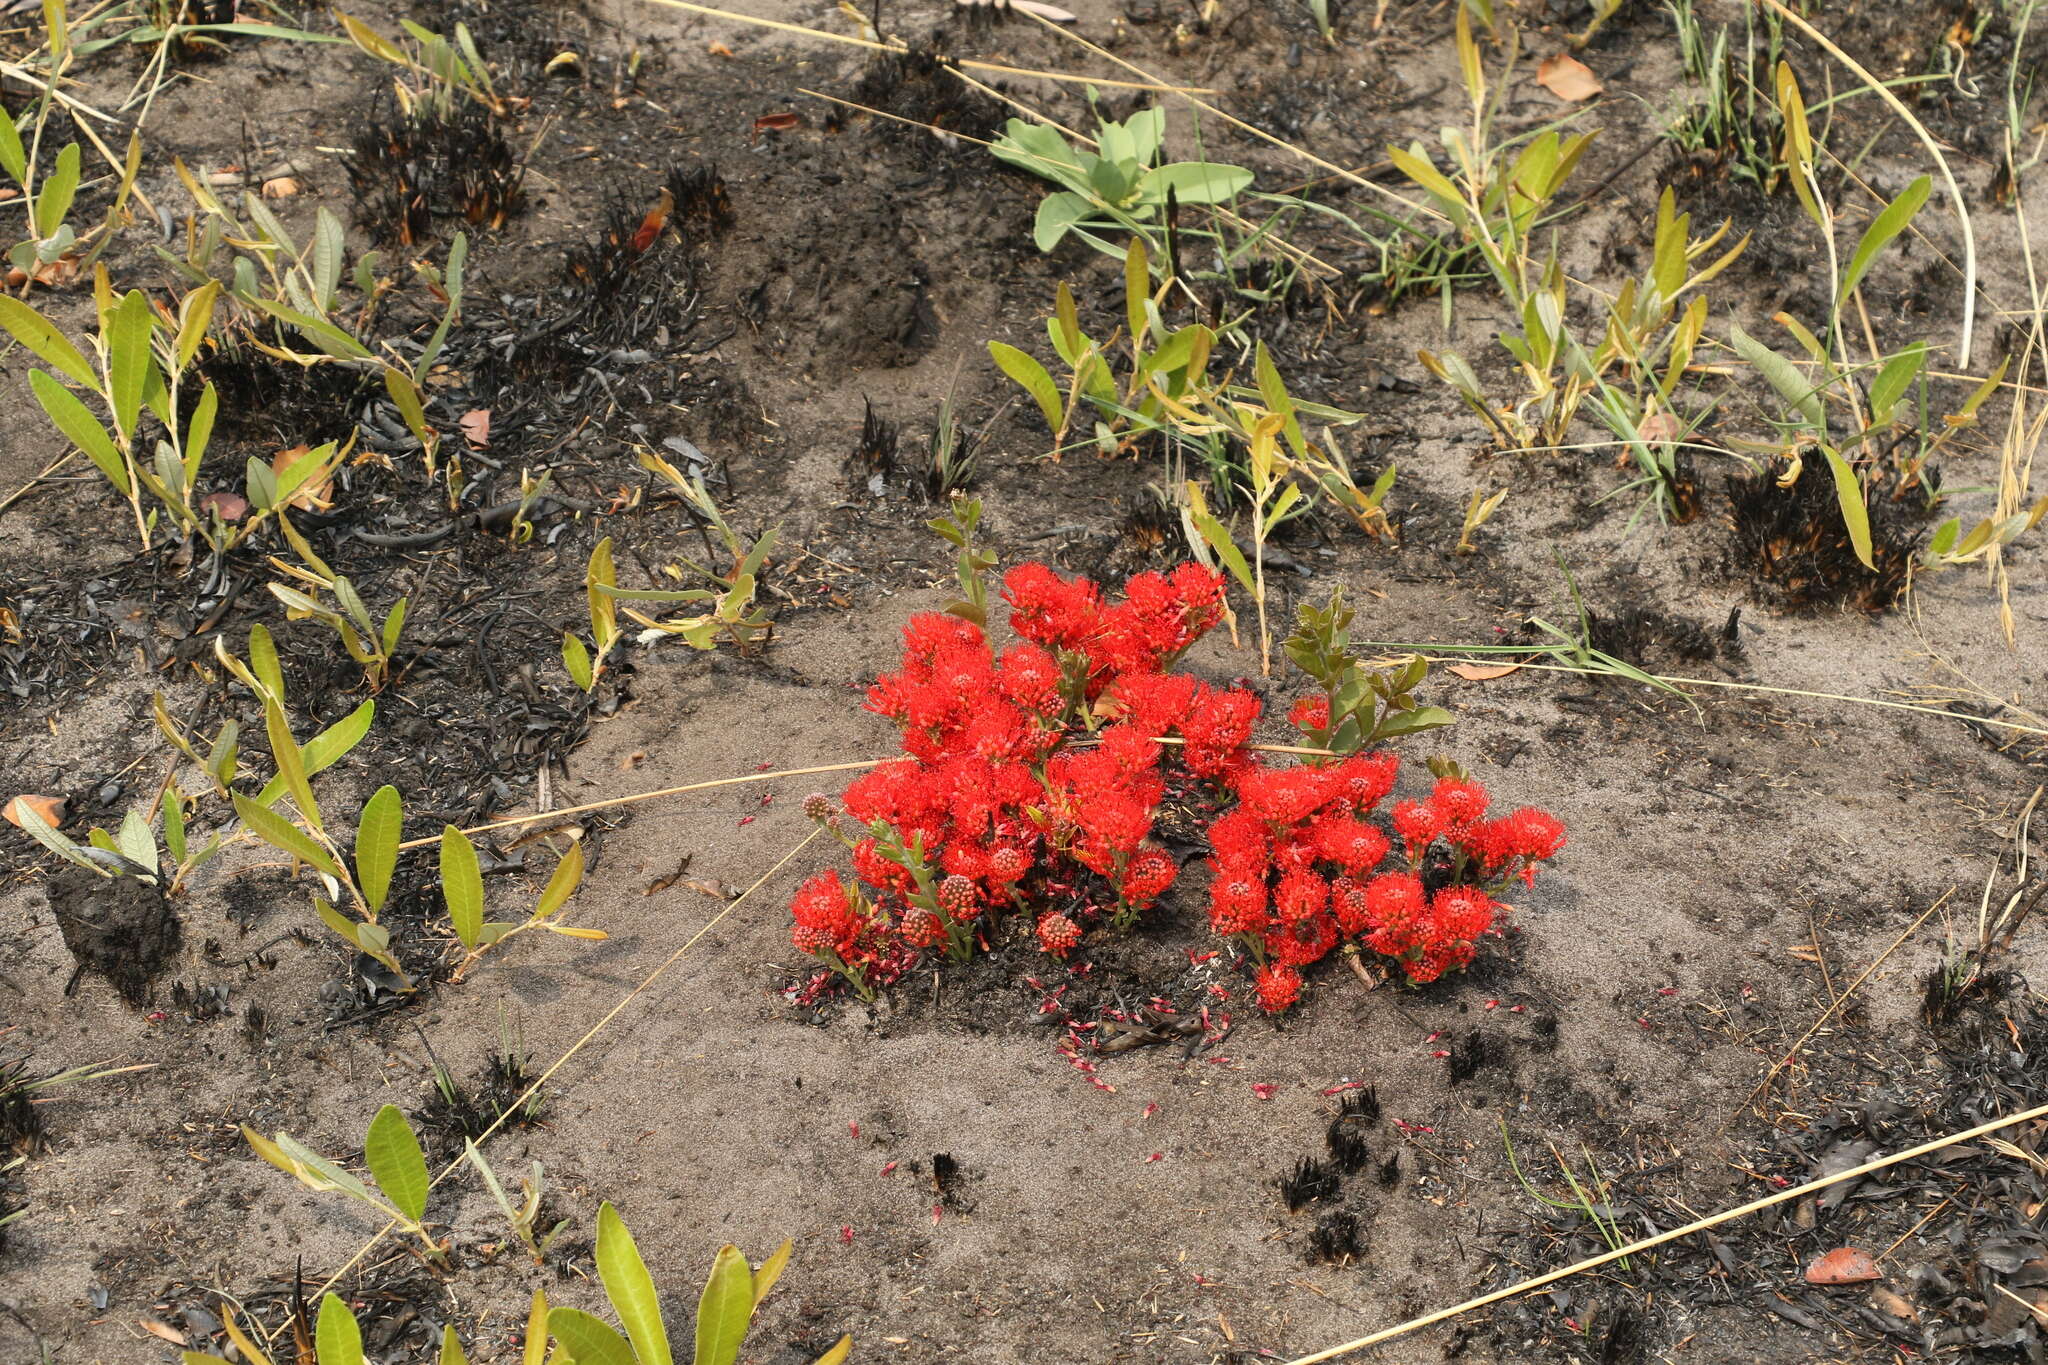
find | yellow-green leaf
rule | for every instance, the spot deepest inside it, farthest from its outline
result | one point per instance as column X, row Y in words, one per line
column 462, row 885
column 395, row 1160
column 725, row 1308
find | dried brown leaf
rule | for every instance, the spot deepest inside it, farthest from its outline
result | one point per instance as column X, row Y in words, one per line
column 1843, row 1265
column 1568, row 78
column 50, row 808
column 1482, row 672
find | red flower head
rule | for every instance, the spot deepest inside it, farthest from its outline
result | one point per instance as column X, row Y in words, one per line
column 921, row 928
column 1310, row 713
column 1348, row 903
column 1008, row 864
column 1461, row 913
column 1535, row 834
column 1300, row 896
column 1285, row 796
column 1056, row 612
column 871, row 867
column 1418, row 825
column 957, row 897
column 1302, row 942
column 1459, row 803
column 824, row 915
column 1240, row 837
column 1279, row 986
column 1148, row 876
column 1394, row 900
column 1029, row 677
column 1057, row 934
column 1351, row 844
column 1237, row 899
column 1362, row 781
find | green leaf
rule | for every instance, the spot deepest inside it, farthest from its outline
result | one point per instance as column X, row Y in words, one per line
column 576, row 658
column 195, row 315
column 462, row 885
column 323, row 334
column 13, row 156
column 328, row 246
column 405, row 396
column 325, row 749
column 451, row 1347
column 199, row 432
column 1226, row 549
column 284, row 751
column 725, row 1309
column 395, row 1160
column 568, row 875
column 589, row 1340
column 1137, row 288
column 1855, row 516
column 1889, row 223
column 1783, row 375
column 1893, row 379
column 136, row 841
column 282, row 834
column 41, row 336
column 263, row 661
column 771, row 1271
column 631, row 1291
column 1034, row 379
column 81, row 427
column 41, row 831
column 1274, row 390
column 129, row 359
column 1409, row 722
column 394, row 627
column 377, row 829
column 60, row 186
column 174, row 823
column 1194, row 182
column 841, row 1349
column 337, row 1338
column 1057, row 214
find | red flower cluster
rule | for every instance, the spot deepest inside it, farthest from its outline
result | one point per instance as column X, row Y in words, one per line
column 996, row 806
column 1292, row 868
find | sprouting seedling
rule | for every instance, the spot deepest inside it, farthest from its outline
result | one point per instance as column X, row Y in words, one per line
column 523, row 1216
column 725, row 1309
column 972, row 564
column 586, row 663
column 731, row 614
column 396, row 1163
column 1479, row 510
column 462, row 888
column 1598, row 1212
column 1116, row 186
column 1575, row 649
column 1366, row 707
column 369, row 643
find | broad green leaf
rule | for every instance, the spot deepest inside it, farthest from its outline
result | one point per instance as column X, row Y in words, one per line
column 1783, row 375
column 841, row 1349
column 41, row 336
column 725, row 1309
column 377, row 829
column 60, row 186
column 536, row 1331
column 405, row 396
column 13, row 156
column 1274, row 390
column 1194, row 182
column 41, row 831
column 451, row 1347
column 325, row 749
column 263, row 661
column 576, row 658
column 81, row 427
column 1893, row 379
column 350, row 931
column 1855, row 516
column 337, row 1337
column 568, row 875
column 395, row 1160
column 323, row 334
column 284, row 752
column 136, row 841
column 174, row 823
column 317, row 1172
column 199, row 432
column 1226, row 549
column 1798, row 144
column 394, row 627
column 462, row 885
column 129, row 360
column 1409, row 722
column 328, row 246
column 771, row 1271
column 195, row 315
column 1056, row 216
column 589, row 1340
column 1137, row 288
column 282, row 834
column 1889, row 223
column 598, row 575
column 631, row 1291
column 1034, row 379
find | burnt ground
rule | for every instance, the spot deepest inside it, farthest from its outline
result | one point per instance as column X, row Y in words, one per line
column 1735, row 864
